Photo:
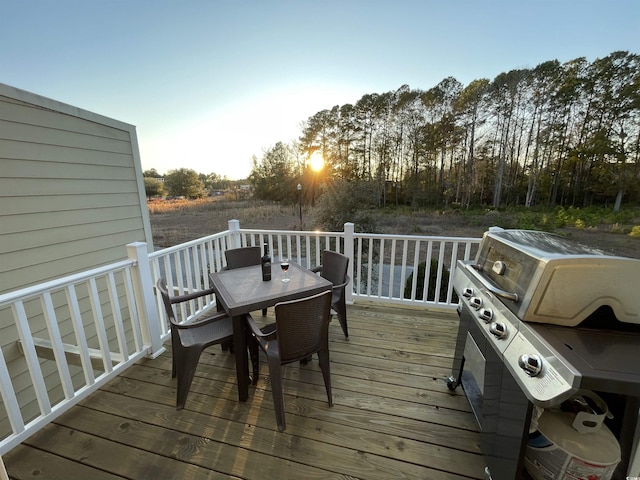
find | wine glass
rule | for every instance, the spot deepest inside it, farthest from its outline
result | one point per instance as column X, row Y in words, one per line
column 284, row 265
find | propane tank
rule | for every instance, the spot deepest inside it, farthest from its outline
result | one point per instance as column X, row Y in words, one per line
column 573, row 442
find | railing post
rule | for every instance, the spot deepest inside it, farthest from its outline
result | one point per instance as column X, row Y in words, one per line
column 349, row 229
column 234, row 234
column 145, row 302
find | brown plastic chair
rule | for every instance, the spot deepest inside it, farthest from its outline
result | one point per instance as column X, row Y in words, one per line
column 301, row 329
column 334, row 268
column 189, row 340
column 244, row 257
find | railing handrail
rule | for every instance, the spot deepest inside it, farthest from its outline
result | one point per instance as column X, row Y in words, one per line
column 35, row 290
column 289, row 232
column 435, row 238
column 190, row 243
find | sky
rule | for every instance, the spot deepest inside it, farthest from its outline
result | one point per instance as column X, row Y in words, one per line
column 208, row 84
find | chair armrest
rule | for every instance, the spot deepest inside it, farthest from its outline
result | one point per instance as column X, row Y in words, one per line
column 343, row 284
column 205, row 321
column 255, row 329
column 191, row 296
column 317, row 269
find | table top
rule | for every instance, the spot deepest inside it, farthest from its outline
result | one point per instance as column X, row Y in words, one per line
column 241, row 290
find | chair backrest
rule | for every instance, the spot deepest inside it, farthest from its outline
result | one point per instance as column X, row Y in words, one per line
column 334, row 267
column 243, row 257
column 166, row 299
column 302, row 326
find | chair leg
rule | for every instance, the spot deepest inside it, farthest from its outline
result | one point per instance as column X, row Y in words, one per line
column 252, row 344
column 173, row 363
column 341, row 310
column 306, row 360
column 224, row 345
column 323, row 355
column 228, row 345
column 186, row 364
column 275, row 374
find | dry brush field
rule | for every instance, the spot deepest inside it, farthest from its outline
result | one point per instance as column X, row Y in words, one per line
column 176, row 222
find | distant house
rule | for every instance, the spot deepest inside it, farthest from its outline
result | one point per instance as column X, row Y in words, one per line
column 71, row 198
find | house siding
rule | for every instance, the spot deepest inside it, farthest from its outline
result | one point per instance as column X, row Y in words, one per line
column 71, row 198
column 71, row 190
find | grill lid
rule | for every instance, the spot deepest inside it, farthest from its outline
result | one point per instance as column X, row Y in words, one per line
column 557, row 281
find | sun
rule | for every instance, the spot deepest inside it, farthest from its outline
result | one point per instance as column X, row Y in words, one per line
column 316, row 161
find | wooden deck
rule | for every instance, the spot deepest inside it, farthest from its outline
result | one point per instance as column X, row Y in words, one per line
column 393, row 416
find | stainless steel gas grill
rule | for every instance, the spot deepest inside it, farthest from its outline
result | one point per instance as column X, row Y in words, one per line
column 542, row 317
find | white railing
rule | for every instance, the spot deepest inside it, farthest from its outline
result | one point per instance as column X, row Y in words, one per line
column 65, row 338
column 70, row 336
column 381, row 267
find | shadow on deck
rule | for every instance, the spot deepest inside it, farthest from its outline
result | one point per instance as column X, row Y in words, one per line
column 393, row 415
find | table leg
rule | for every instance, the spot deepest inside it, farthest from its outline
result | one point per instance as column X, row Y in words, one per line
column 242, row 362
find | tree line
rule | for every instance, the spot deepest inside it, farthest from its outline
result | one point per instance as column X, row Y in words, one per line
column 184, row 182
column 558, row 134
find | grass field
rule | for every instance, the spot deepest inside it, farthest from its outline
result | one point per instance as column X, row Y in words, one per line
column 177, row 221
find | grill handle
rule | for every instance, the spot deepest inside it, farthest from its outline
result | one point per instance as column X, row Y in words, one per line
column 495, row 290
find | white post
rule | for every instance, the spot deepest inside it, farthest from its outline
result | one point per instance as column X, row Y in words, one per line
column 349, row 229
column 145, row 303
column 234, row 238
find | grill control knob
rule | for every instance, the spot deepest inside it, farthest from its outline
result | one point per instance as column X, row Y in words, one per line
column 486, row 314
column 531, row 364
column 476, row 302
column 467, row 292
column 498, row 329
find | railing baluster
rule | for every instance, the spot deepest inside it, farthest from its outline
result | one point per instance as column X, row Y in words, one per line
column 9, row 398
column 403, row 270
column 427, row 271
column 439, row 274
column 98, row 319
column 81, row 338
column 56, row 344
column 117, row 316
column 416, row 267
column 133, row 312
column 31, row 357
column 392, row 265
column 452, row 266
column 370, row 267
column 381, row 267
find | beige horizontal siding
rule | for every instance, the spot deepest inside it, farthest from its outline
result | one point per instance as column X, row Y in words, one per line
column 74, row 255
column 49, row 170
column 68, row 202
column 13, row 149
column 83, row 122
column 45, row 186
column 66, row 220
column 71, row 193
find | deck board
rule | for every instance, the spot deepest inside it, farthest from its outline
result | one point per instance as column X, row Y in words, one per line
column 393, row 416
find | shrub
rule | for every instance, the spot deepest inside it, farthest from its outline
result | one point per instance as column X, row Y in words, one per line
column 431, row 289
column 635, row 232
column 347, row 202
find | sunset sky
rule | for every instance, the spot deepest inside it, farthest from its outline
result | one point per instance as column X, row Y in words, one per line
column 209, row 84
